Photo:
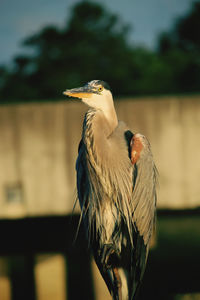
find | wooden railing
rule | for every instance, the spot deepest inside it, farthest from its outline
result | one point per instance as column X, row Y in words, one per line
column 173, row 265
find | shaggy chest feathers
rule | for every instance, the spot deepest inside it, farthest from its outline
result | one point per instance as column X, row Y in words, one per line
column 110, row 174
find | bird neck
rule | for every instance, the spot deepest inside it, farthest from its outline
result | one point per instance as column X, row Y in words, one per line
column 100, row 124
column 110, row 116
column 97, row 130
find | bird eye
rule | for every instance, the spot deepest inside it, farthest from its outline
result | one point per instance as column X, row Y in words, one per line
column 100, row 89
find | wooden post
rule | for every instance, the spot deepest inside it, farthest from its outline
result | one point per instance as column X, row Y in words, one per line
column 79, row 275
column 21, row 270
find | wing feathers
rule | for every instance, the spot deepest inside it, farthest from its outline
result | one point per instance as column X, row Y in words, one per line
column 144, row 195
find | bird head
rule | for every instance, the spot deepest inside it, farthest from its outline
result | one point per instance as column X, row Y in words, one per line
column 96, row 94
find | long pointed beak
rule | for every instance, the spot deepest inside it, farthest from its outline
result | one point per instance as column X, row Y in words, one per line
column 81, row 92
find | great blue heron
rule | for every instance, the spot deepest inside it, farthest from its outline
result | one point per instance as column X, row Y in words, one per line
column 116, row 182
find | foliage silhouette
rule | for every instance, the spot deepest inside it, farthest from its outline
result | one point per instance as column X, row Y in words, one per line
column 94, row 45
column 180, row 49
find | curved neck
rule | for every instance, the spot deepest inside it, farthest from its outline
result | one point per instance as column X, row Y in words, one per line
column 98, row 123
column 103, row 112
column 97, row 128
column 111, row 117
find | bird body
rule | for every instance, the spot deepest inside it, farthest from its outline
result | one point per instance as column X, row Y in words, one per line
column 116, row 179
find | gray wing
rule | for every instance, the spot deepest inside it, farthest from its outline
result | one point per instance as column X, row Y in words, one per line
column 143, row 203
column 82, row 181
column 83, row 190
column 144, row 189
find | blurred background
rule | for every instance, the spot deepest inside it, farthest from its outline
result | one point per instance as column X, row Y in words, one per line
column 149, row 53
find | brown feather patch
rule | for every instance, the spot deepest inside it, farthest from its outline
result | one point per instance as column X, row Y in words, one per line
column 136, row 148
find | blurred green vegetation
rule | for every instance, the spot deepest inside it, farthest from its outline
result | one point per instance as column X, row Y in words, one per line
column 94, row 44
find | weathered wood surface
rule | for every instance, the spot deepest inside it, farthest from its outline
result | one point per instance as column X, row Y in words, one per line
column 38, row 149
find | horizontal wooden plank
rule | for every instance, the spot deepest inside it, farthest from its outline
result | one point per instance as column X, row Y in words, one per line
column 173, row 265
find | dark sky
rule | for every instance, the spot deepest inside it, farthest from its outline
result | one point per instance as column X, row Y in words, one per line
column 20, row 18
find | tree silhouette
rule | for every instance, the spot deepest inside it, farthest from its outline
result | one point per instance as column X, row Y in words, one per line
column 94, row 45
column 180, row 48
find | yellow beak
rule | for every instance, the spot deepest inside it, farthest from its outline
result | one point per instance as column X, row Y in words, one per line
column 82, row 92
